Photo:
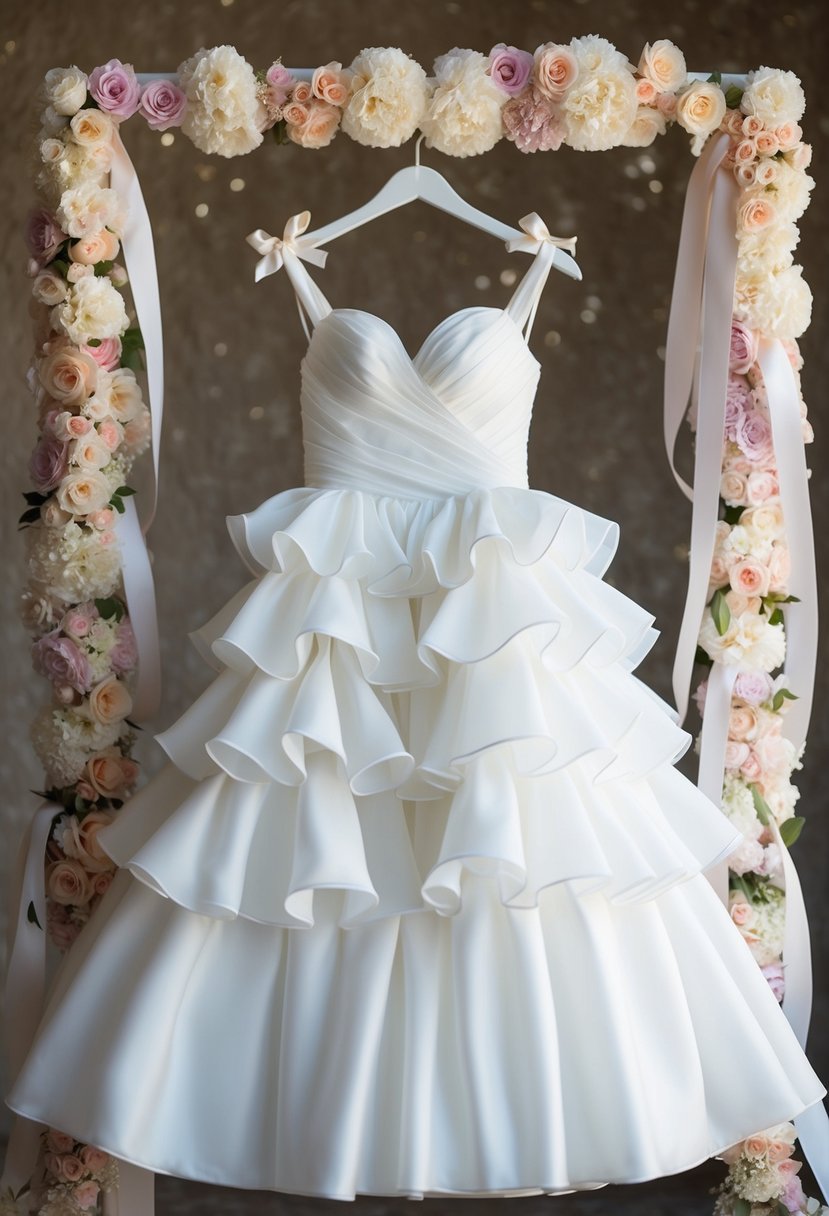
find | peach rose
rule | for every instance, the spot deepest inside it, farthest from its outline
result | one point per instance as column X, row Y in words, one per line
column 67, row 882
column 59, row 1142
column 68, row 375
column 666, row 104
column 101, row 246
column 303, row 93
column 765, row 173
column 102, row 881
column 780, row 568
column 755, row 1147
column 123, row 398
column 89, row 451
column 93, row 1158
column 330, row 83
column 749, row 578
column 295, row 114
column 751, row 126
column 71, row 1167
column 49, row 288
column 83, row 492
column 778, row 1151
column 762, row 485
column 767, row 143
column 733, row 487
column 319, row 127
column 700, row 108
column 742, row 912
column 756, row 213
column 109, row 772
column 110, row 432
column 70, row 426
column 85, row 1194
column 554, row 70
column 751, row 768
column 92, row 128
column 646, row 92
column 743, row 723
column 745, row 152
column 663, row 64
column 80, row 841
column 109, row 701
column 736, row 754
column 789, row 135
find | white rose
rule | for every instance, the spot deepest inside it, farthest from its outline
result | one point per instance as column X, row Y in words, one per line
column 94, row 309
column 463, row 114
column 65, row 89
column 91, row 128
column 89, row 452
column 387, row 98
column 49, row 288
column 88, row 208
column 764, row 523
column 645, row 127
column 83, row 492
column 123, row 395
column 224, row 113
column 601, row 105
column 663, row 64
column 701, row 108
column 774, row 97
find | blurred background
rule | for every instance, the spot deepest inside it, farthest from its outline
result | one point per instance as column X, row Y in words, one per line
column 232, row 428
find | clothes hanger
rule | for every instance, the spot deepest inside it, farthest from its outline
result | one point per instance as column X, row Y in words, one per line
column 421, row 182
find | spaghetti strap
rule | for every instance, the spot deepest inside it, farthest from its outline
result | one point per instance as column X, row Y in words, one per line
column 311, row 301
column 524, row 300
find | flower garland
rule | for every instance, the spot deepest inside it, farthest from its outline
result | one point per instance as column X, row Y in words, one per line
column 93, row 423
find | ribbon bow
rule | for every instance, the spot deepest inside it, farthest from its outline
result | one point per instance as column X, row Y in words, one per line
column 537, row 231
column 273, row 248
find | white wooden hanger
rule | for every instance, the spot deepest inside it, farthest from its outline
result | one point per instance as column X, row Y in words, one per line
column 420, row 182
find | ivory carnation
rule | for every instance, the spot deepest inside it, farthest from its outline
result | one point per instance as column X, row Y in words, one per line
column 554, row 70
column 601, row 105
column 388, row 95
column 463, row 114
column 790, row 190
column 65, row 89
column 224, row 113
column 94, row 309
column 532, row 122
column 779, row 306
column 88, row 208
column 700, row 108
column 663, row 64
column 766, row 251
column 774, row 97
column 645, row 127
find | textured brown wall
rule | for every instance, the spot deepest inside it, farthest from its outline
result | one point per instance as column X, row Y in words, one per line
column 231, row 431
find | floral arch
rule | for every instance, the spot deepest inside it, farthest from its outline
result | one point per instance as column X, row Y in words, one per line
column 739, row 306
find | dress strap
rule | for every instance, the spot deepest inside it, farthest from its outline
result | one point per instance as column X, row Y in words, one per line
column 291, row 250
column 540, row 242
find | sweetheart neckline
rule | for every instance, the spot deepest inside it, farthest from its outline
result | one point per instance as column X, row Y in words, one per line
column 452, row 316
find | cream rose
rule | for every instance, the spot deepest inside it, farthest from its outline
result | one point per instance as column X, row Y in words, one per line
column 68, row 375
column 663, row 64
column 49, row 288
column 65, row 89
column 645, row 127
column 109, row 701
column 100, row 246
column 388, row 94
column 83, row 492
column 89, row 452
column 554, row 70
column 123, row 395
column 92, row 128
column 701, row 108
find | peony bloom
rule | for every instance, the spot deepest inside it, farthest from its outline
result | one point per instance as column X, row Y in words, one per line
column 387, row 98
column 463, row 115
column 778, row 305
column 773, row 97
column 94, row 309
column 532, row 122
column 600, row 106
column 163, row 104
column 224, row 113
column 115, row 87
column 60, row 660
column 510, row 68
column 88, row 208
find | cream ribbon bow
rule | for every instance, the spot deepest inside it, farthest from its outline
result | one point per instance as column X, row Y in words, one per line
column 537, row 231
column 273, row 248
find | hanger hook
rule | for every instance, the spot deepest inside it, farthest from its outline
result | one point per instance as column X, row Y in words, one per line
column 418, row 142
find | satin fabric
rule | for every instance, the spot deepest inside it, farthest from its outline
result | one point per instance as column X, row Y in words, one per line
column 417, row 904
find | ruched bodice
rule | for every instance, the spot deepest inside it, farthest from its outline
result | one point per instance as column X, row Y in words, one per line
column 453, row 417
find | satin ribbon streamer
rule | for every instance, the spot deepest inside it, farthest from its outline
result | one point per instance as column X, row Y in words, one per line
column 26, row 974
column 274, row 251
column 537, row 231
column 696, row 367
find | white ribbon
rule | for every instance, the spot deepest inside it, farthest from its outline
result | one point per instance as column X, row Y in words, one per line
column 274, row 248
column 537, row 232
column 696, row 363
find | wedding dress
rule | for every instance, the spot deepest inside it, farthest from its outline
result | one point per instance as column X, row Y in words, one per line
column 417, row 903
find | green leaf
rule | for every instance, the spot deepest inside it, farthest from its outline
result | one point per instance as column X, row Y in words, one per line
column 742, row 1207
column 790, row 829
column 720, row 612
column 732, row 515
column 31, row 915
column 94, row 342
column 776, row 617
column 34, row 497
column 117, row 504
column 703, row 657
column 733, row 97
column 715, row 78
column 30, row 515
column 132, row 346
column 780, row 696
column 110, row 607
column 124, row 491
column 103, row 268
column 280, row 132
column 761, row 806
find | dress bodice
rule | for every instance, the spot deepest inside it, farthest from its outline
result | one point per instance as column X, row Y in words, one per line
column 451, row 417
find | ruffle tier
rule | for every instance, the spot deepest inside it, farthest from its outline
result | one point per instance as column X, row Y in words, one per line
column 409, row 693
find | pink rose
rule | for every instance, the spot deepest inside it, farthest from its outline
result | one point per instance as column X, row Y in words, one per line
column 749, row 577
column 774, row 974
column 774, row 755
column 736, row 754
column 44, row 236
column 556, row 68
column 48, row 463
column 102, row 881
column 280, row 83
column 78, row 620
column 532, row 122
column 163, row 104
column 793, row 1196
column 111, row 432
column 756, row 213
column 646, row 92
column 93, row 1158
column 753, row 687
column 59, row 1142
column 752, row 434
column 789, row 135
column 742, row 912
column 70, row 1167
column 666, row 104
column 67, row 882
column 738, row 400
column 751, row 767
column 510, row 68
column 115, row 87
column 85, row 1194
column 762, row 485
column 59, row 660
column 101, row 519
column 124, row 654
column 742, row 723
column 745, row 344
column 107, row 354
